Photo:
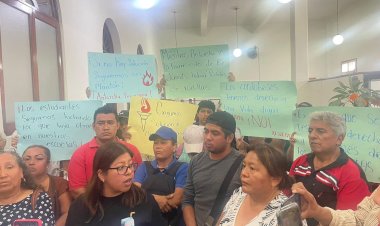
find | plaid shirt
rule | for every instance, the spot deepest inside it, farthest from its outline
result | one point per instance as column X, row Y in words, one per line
column 367, row 214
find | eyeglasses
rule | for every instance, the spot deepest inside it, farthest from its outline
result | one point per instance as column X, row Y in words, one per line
column 122, row 170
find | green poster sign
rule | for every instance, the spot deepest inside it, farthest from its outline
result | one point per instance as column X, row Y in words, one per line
column 362, row 141
column 195, row 72
column 262, row 109
column 115, row 78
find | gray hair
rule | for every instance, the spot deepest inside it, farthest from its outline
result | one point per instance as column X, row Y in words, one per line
column 335, row 121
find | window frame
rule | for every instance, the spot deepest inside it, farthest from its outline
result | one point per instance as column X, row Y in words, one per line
column 33, row 15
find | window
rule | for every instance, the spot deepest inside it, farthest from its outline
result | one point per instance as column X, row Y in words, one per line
column 30, row 55
column 349, row 66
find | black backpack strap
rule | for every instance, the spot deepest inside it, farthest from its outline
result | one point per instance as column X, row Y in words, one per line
column 220, row 198
column 149, row 168
column 172, row 171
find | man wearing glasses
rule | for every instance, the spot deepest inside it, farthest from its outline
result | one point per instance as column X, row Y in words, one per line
column 105, row 126
column 164, row 177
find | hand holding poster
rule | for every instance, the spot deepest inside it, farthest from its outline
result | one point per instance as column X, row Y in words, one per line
column 362, row 140
column 118, row 77
column 147, row 115
column 62, row 126
column 262, row 109
column 195, row 72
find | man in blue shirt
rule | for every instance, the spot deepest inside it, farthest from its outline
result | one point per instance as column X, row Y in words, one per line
column 164, row 177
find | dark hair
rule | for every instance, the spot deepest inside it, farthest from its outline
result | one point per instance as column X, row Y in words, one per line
column 106, row 109
column 46, row 150
column 206, row 104
column 104, row 157
column 275, row 162
column 27, row 182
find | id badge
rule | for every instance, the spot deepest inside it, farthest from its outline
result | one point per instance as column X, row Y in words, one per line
column 129, row 221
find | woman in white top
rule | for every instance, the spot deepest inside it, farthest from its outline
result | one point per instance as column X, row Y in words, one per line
column 263, row 178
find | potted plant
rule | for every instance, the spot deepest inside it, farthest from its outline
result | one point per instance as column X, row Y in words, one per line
column 354, row 94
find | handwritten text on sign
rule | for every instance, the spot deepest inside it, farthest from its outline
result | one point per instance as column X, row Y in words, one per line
column 195, row 71
column 362, row 141
column 62, row 126
column 147, row 115
column 261, row 109
column 117, row 77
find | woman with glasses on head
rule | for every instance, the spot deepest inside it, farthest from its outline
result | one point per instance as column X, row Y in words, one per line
column 111, row 198
column 37, row 159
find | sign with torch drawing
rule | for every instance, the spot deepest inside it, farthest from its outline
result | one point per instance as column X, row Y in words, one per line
column 146, row 115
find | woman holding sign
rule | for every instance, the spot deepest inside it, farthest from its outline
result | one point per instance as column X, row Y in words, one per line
column 111, row 198
column 335, row 180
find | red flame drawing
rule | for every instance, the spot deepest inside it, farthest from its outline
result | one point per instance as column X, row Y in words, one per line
column 145, row 106
column 147, row 79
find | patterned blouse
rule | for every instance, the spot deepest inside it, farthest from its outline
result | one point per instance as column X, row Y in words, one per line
column 267, row 217
column 23, row 210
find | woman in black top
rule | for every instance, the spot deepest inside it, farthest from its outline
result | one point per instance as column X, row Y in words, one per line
column 111, row 197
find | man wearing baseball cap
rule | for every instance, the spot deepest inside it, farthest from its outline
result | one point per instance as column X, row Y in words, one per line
column 164, row 177
column 208, row 169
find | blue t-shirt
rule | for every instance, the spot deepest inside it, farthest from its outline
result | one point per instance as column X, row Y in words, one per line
column 180, row 176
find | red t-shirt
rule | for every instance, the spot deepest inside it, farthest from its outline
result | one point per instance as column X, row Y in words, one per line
column 80, row 166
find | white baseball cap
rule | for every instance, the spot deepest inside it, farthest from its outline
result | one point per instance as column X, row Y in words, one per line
column 193, row 139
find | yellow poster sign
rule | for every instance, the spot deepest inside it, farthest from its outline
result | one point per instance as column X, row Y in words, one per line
column 147, row 115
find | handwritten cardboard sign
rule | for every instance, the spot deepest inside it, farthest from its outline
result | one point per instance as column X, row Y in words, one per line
column 147, row 115
column 195, row 72
column 362, row 141
column 117, row 77
column 262, row 109
column 62, row 126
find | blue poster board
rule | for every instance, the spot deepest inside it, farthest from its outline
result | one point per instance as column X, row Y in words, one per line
column 62, row 126
column 115, row 78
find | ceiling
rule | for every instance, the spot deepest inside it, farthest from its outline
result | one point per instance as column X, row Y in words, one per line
column 205, row 14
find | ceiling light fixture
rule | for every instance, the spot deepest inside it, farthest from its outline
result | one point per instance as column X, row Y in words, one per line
column 237, row 51
column 145, row 4
column 338, row 38
column 284, row 1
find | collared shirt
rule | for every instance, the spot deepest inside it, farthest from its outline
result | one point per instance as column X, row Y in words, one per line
column 340, row 185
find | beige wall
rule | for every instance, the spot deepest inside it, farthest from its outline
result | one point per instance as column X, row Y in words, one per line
column 273, row 39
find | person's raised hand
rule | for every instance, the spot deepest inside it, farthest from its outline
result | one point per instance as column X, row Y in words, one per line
column 376, row 196
column 309, row 206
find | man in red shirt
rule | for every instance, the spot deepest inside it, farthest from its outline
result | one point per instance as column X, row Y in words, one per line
column 105, row 126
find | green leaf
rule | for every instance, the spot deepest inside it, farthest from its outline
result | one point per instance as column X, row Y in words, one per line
column 337, row 102
column 356, row 85
column 338, row 96
column 343, row 85
column 340, row 90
